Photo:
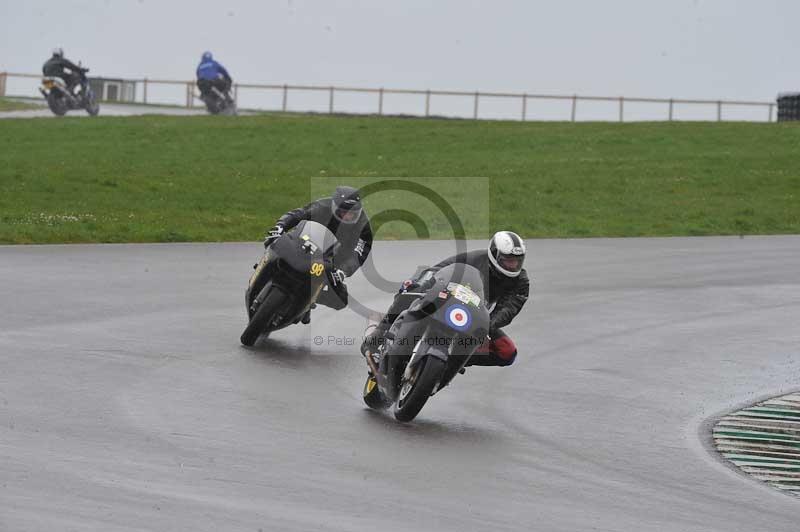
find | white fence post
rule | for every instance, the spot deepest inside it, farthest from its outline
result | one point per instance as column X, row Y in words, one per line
column 380, row 101
column 236, row 93
column 285, row 97
column 574, row 106
column 330, row 101
column 145, row 90
column 524, row 106
column 3, row 77
column 621, row 108
column 671, row 105
column 428, row 103
column 770, row 111
column 719, row 111
column 475, row 110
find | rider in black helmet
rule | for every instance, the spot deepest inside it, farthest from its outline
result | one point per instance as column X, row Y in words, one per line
column 506, row 286
column 60, row 67
column 344, row 216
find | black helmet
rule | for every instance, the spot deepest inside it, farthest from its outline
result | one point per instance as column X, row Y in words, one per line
column 58, row 52
column 346, row 204
column 507, row 253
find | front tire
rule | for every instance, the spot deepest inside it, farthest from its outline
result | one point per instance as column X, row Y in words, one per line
column 92, row 107
column 263, row 316
column 428, row 372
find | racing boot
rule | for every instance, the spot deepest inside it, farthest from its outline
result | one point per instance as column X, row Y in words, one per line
column 374, row 338
column 306, row 319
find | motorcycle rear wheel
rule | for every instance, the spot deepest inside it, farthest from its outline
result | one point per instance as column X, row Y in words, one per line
column 373, row 397
column 213, row 104
column 263, row 316
column 428, row 372
column 57, row 104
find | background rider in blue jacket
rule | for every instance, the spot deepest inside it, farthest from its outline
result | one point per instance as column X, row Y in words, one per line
column 212, row 74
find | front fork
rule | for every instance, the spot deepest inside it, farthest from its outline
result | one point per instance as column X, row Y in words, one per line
column 249, row 300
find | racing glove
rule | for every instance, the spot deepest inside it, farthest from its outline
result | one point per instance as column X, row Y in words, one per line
column 273, row 235
column 337, row 277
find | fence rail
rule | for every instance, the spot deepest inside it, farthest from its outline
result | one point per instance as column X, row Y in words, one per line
column 522, row 97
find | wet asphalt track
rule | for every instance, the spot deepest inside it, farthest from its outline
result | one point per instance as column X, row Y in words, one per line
column 106, row 109
column 126, row 402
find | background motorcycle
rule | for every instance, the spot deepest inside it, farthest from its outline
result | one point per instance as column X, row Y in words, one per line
column 217, row 101
column 288, row 279
column 430, row 342
column 60, row 99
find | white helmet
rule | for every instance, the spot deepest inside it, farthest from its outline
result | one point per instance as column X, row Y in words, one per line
column 507, row 253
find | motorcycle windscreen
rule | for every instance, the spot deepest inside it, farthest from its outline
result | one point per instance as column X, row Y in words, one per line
column 462, row 274
column 319, row 235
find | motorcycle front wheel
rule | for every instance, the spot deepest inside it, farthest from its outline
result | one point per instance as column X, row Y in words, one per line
column 92, row 107
column 263, row 316
column 415, row 391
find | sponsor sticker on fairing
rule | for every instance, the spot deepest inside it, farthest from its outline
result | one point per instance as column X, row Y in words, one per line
column 464, row 294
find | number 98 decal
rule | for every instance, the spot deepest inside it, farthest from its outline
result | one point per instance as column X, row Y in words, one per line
column 317, row 268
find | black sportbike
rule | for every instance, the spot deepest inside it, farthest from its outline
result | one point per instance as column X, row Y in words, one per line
column 287, row 281
column 430, row 342
column 61, row 99
column 217, row 97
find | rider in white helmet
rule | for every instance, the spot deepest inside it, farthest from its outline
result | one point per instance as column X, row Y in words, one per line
column 506, row 286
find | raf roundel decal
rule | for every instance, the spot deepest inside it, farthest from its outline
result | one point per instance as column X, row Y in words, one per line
column 458, row 317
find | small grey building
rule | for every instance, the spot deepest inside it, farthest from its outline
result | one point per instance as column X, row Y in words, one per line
column 788, row 106
column 114, row 90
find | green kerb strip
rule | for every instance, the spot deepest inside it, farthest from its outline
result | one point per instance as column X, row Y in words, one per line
column 758, row 436
column 748, row 458
column 749, row 438
column 782, row 412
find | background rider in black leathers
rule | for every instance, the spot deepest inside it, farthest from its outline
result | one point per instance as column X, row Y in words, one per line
column 343, row 215
column 60, row 67
column 507, row 287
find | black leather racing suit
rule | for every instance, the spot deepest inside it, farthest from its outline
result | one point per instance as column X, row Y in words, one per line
column 355, row 239
column 508, row 294
column 72, row 74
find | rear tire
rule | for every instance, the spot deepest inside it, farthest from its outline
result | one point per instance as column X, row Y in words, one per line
column 263, row 316
column 230, row 109
column 57, row 104
column 428, row 372
column 213, row 104
column 373, row 397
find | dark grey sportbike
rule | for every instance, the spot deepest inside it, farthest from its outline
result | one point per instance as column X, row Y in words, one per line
column 288, row 279
column 430, row 342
